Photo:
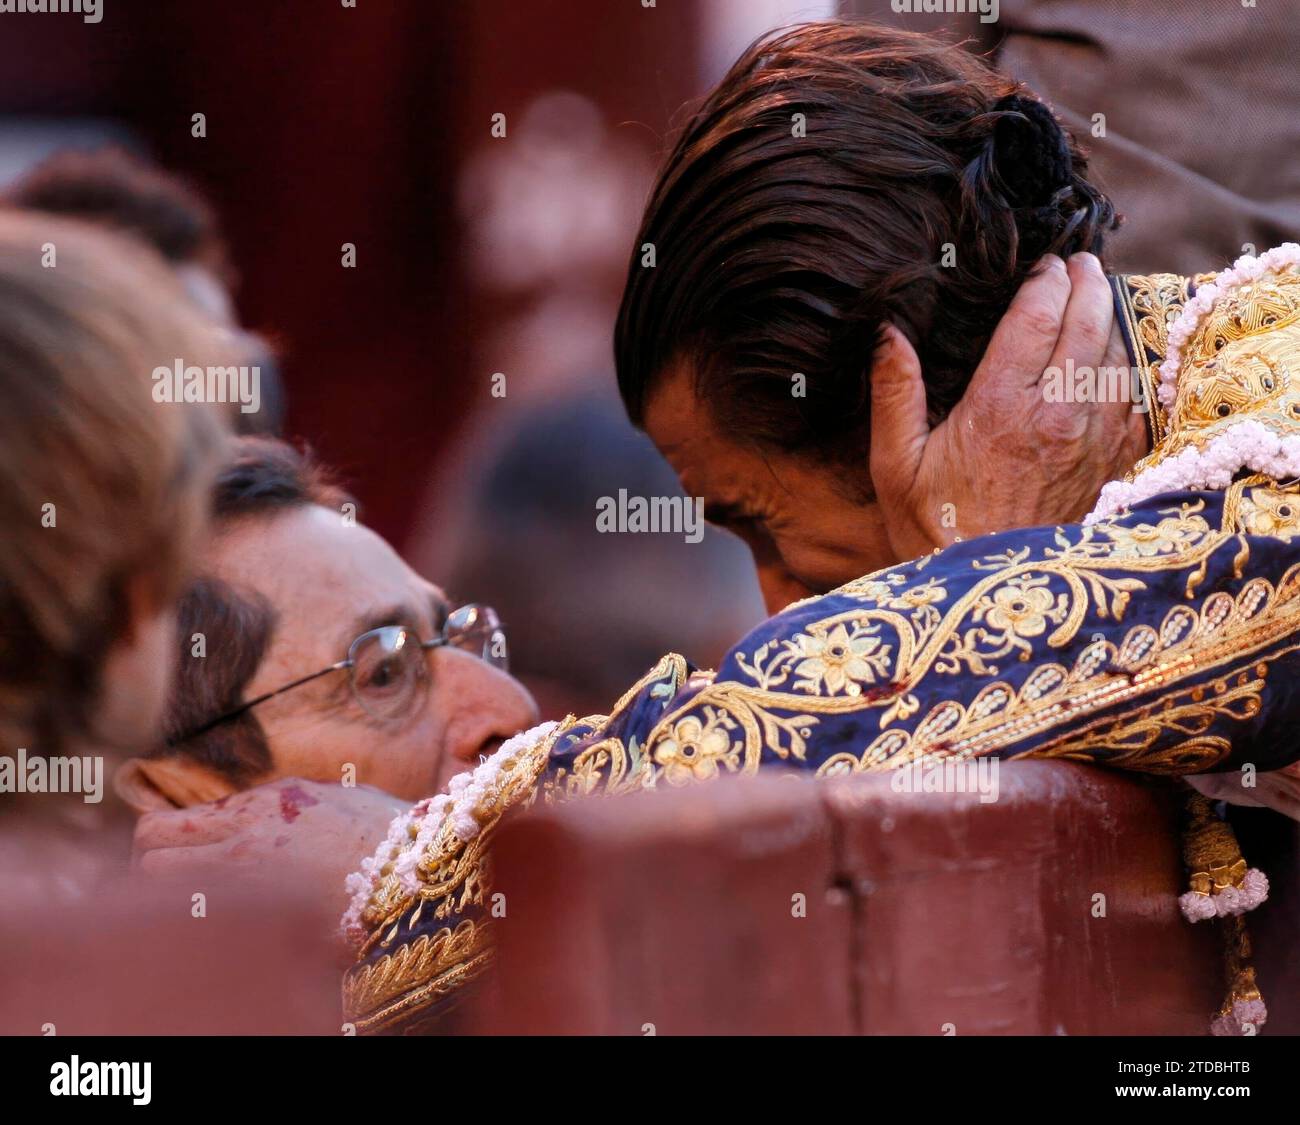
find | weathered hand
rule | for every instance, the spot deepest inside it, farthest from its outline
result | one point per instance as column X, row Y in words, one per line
column 1006, row 456
column 289, row 833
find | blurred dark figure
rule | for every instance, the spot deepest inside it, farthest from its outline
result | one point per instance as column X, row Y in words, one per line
column 511, row 517
column 1189, row 114
column 114, row 188
column 524, row 539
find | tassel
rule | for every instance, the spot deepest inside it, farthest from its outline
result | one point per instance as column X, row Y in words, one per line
column 1243, row 1011
column 1223, row 887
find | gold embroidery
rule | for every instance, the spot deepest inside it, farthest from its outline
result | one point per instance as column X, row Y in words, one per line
column 1170, row 536
column 694, row 749
column 1242, row 364
column 1148, row 304
column 416, row 974
column 450, row 872
column 999, row 617
column 1271, row 511
column 608, row 762
column 454, row 876
column 1105, row 677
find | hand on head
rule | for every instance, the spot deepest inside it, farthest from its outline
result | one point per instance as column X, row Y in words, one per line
column 1007, row 455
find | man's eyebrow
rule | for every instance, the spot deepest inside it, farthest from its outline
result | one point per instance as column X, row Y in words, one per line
column 403, row 614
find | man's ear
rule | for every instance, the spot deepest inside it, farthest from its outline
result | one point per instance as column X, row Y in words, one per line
column 899, row 423
column 173, row 782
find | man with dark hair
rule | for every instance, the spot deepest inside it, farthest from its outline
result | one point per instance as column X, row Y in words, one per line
column 114, row 188
column 851, row 204
column 309, row 649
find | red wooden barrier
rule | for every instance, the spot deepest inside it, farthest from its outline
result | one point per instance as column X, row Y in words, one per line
column 680, row 912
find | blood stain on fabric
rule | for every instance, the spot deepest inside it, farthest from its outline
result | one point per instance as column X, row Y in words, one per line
column 293, row 799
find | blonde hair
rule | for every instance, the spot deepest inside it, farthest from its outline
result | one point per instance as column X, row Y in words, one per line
column 100, row 486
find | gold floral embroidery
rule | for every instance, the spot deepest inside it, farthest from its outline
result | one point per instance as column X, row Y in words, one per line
column 608, row 763
column 1271, row 511
column 693, row 750
column 875, row 588
column 1147, row 663
column 601, row 763
column 892, row 591
column 1018, row 612
column 838, row 661
column 1241, row 365
column 1095, row 569
column 1143, row 540
column 930, row 592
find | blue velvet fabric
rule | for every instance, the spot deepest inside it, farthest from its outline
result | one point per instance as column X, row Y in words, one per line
column 1163, row 640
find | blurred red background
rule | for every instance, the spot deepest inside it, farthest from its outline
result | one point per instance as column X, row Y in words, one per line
column 328, row 125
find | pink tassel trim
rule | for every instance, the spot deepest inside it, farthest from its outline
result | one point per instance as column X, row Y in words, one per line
column 1228, row 901
column 412, row 833
column 1244, row 1013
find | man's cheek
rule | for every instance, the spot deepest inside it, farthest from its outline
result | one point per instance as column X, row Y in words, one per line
column 807, row 573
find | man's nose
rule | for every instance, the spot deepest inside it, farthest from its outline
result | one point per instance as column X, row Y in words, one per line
column 482, row 704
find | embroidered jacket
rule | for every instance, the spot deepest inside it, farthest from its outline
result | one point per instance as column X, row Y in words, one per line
column 1162, row 634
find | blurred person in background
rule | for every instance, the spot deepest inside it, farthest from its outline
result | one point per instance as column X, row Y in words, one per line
column 548, row 219
column 530, row 484
column 117, row 189
column 104, row 497
column 1185, row 139
column 103, row 501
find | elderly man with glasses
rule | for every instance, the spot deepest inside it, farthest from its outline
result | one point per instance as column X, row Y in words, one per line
column 310, row 650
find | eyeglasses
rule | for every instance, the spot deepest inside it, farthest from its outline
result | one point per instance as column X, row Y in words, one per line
column 386, row 667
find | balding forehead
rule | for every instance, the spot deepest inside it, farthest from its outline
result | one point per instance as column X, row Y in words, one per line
column 305, row 553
